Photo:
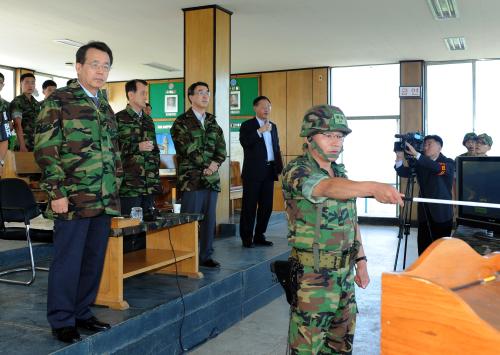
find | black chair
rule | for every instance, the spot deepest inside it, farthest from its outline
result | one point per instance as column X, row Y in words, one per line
column 17, row 204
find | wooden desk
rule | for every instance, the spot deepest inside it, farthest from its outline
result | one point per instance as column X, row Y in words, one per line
column 440, row 306
column 473, row 237
column 158, row 256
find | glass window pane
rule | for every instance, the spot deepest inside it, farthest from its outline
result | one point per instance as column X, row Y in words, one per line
column 40, row 78
column 368, row 155
column 366, row 90
column 487, row 108
column 61, row 82
column 449, row 104
column 8, row 92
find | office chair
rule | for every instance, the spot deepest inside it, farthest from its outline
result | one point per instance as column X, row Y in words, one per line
column 17, row 204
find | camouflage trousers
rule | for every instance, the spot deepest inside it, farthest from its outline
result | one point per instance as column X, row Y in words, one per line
column 325, row 317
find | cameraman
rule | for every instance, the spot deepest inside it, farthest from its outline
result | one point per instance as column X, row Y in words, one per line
column 434, row 174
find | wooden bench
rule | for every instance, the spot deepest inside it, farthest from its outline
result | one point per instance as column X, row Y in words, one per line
column 171, row 234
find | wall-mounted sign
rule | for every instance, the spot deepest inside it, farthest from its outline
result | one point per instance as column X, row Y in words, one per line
column 242, row 92
column 412, row 92
column 166, row 99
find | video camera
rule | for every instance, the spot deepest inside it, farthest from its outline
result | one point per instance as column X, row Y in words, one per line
column 415, row 139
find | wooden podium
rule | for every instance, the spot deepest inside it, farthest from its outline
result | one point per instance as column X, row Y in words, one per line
column 447, row 302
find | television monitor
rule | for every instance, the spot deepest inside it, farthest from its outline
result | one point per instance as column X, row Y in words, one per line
column 478, row 180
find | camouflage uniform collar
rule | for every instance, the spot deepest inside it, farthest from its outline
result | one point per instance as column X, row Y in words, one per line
column 134, row 114
column 190, row 113
column 80, row 93
column 338, row 169
column 24, row 98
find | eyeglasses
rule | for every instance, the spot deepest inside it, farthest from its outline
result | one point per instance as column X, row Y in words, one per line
column 96, row 66
column 202, row 93
column 334, row 136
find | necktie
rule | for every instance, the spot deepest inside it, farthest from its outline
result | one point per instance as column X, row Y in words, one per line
column 96, row 101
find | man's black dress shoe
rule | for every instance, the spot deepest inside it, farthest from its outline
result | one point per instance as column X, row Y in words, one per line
column 263, row 242
column 92, row 324
column 210, row 263
column 67, row 334
column 248, row 245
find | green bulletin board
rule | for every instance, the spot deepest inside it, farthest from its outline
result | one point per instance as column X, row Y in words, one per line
column 242, row 92
column 167, row 99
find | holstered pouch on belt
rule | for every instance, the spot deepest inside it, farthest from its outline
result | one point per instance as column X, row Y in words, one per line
column 286, row 272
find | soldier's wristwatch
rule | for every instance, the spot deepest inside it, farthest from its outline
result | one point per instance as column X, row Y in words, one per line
column 360, row 258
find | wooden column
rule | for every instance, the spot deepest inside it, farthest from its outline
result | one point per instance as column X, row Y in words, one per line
column 412, row 73
column 207, row 58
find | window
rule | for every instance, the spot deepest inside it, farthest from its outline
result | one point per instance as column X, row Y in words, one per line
column 8, row 92
column 368, row 155
column 450, row 105
column 369, row 97
column 366, row 90
column 487, row 108
column 40, row 78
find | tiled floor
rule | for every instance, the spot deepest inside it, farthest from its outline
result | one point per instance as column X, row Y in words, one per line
column 265, row 331
column 23, row 325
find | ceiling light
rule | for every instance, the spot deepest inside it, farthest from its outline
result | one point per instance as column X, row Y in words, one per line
column 162, row 67
column 69, row 42
column 443, row 9
column 455, row 43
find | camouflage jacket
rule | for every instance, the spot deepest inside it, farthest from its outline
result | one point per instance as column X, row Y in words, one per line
column 29, row 110
column 4, row 107
column 338, row 217
column 76, row 147
column 140, row 169
column 4, row 120
column 196, row 148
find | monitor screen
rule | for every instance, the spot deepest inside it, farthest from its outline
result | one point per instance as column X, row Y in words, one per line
column 478, row 180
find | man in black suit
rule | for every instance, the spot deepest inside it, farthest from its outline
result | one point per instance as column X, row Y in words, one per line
column 434, row 174
column 262, row 165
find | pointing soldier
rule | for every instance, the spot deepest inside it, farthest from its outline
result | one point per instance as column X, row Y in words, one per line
column 325, row 237
column 76, row 148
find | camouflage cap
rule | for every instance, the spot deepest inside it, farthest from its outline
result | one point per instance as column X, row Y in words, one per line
column 485, row 139
column 468, row 137
column 323, row 118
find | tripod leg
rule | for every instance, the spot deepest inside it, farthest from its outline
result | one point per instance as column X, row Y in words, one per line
column 404, row 219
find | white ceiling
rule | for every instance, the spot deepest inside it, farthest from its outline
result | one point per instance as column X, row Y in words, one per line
column 266, row 34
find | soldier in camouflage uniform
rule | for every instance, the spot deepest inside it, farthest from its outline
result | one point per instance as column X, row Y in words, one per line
column 139, row 151
column 469, row 142
column 5, row 123
column 201, row 149
column 324, row 236
column 77, row 150
column 483, row 145
column 24, row 109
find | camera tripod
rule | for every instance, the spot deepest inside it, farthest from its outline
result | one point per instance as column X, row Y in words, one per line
column 405, row 215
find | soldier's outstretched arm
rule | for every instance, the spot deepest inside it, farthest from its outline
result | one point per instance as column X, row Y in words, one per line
column 342, row 189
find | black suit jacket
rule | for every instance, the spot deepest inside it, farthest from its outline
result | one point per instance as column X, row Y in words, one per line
column 255, row 153
column 435, row 179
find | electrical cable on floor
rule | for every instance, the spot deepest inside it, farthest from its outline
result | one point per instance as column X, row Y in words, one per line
column 213, row 333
